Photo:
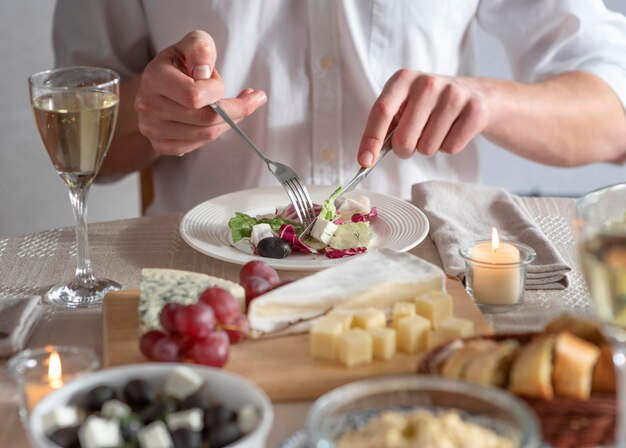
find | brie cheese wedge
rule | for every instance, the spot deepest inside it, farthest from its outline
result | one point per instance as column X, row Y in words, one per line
column 376, row 279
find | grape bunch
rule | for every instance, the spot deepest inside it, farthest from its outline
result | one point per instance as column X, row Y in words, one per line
column 202, row 332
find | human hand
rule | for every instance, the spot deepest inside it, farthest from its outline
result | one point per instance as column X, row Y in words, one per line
column 176, row 88
column 433, row 113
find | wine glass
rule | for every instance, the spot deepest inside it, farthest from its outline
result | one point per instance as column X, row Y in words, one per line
column 75, row 110
column 601, row 228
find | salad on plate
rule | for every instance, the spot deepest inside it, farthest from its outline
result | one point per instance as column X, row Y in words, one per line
column 337, row 232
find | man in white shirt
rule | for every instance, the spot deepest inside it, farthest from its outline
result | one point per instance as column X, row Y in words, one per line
column 332, row 75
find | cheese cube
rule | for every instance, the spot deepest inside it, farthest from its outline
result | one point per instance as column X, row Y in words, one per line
column 154, row 435
column 355, row 347
column 369, row 318
column 455, row 327
column 413, row 333
column 99, row 432
column 192, row 420
column 400, row 310
column 60, row 417
column 323, row 338
column 182, row 382
column 383, row 342
column 260, row 232
column 115, row 409
column 345, row 318
column 323, row 230
column 435, row 306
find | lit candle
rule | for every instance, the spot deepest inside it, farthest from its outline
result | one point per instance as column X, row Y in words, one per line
column 496, row 278
column 35, row 392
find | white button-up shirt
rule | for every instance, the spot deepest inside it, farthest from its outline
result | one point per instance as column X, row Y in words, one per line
column 322, row 64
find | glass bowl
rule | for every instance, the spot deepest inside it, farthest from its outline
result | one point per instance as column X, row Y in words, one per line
column 350, row 407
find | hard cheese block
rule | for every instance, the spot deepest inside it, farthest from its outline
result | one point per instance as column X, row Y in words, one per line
column 376, row 279
column 161, row 286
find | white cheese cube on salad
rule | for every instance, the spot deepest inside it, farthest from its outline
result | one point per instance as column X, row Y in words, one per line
column 155, row 435
column 60, row 417
column 99, row 432
column 355, row 204
column 259, row 232
column 115, row 409
column 182, row 382
column 191, row 420
column 323, row 230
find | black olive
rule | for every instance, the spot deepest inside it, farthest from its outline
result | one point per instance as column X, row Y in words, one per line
column 217, row 416
column 97, row 396
column 273, row 247
column 130, row 426
column 196, row 400
column 157, row 411
column 139, row 394
column 184, row 438
column 224, row 435
column 66, row 437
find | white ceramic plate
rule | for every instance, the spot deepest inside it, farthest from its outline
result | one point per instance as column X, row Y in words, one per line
column 399, row 226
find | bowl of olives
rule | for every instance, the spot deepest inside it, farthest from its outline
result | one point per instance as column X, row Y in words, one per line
column 154, row 405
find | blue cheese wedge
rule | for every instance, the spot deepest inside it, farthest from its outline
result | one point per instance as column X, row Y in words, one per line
column 161, row 286
column 376, row 279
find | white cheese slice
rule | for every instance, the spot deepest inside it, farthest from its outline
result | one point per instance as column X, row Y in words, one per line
column 376, row 279
column 60, row 417
column 161, row 286
column 323, row 230
column 259, row 232
column 99, row 432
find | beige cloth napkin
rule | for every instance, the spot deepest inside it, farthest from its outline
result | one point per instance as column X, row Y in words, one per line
column 460, row 214
column 18, row 318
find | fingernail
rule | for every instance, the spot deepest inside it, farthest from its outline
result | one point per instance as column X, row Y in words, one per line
column 201, row 72
column 366, row 158
column 262, row 98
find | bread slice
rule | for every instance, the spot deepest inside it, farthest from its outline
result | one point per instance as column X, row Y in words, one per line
column 584, row 328
column 603, row 378
column 491, row 368
column 574, row 359
column 454, row 366
column 531, row 373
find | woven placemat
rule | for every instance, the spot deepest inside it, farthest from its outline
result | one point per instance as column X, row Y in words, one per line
column 565, row 422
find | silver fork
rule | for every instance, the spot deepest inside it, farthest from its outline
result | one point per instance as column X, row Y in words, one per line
column 287, row 177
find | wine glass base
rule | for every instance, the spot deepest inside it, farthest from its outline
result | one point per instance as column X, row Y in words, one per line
column 76, row 294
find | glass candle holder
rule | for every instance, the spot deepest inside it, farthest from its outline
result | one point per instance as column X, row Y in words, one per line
column 496, row 278
column 41, row 371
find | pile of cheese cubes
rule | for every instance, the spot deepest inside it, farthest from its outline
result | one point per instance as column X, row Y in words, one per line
column 357, row 337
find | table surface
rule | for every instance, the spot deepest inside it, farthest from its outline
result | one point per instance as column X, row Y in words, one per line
column 31, row 263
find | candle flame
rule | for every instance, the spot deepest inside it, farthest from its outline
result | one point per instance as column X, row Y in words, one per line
column 55, row 371
column 495, row 241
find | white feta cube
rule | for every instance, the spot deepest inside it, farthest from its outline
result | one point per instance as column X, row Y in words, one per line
column 248, row 418
column 323, row 230
column 99, row 432
column 190, row 419
column 259, row 232
column 60, row 417
column 354, row 204
column 182, row 382
column 115, row 409
column 155, row 435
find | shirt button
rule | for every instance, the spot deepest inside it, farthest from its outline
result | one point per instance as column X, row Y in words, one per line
column 328, row 154
column 326, row 63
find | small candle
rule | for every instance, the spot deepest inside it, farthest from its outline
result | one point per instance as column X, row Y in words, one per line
column 496, row 277
column 35, row 392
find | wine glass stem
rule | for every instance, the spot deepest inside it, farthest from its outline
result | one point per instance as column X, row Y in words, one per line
column 619, row 359
column 84, row 272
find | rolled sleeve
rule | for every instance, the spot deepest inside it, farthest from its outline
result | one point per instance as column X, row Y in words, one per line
column 545, row 37
column 112, row 34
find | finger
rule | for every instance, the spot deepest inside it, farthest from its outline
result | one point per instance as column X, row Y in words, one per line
column 175, row 147
column 421, row 102
column 450, row 104
column 244, row 105
column 380, row 117
column 198, row 54
column 167, row 79
column 471, row 122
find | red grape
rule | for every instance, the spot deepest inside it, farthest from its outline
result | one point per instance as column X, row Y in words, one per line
column 212, row 350
column 196, row 320
column 257, row 268
column 165, row 350
column 254, row 287
column 167, row 316
column 184, row 343
column 238, row 330
column 147, row 341
column 225, row 306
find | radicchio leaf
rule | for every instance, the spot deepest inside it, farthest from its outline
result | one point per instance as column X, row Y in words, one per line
column 365, row 217
column 288, row 233
column 340, row 253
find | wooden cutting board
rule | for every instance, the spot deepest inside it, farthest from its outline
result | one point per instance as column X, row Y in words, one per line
column 280, row 366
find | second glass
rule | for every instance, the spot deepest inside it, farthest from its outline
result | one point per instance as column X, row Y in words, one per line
column 76, row 110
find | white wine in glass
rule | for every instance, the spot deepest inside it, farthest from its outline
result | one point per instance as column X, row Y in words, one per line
column 76, row 109
column 601, row 228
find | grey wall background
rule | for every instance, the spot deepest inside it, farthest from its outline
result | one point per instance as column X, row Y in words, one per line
column 32, row 197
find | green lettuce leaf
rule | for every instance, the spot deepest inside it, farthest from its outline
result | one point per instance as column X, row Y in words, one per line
column 351, row 235
column 241, row 225
column 329, row 211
